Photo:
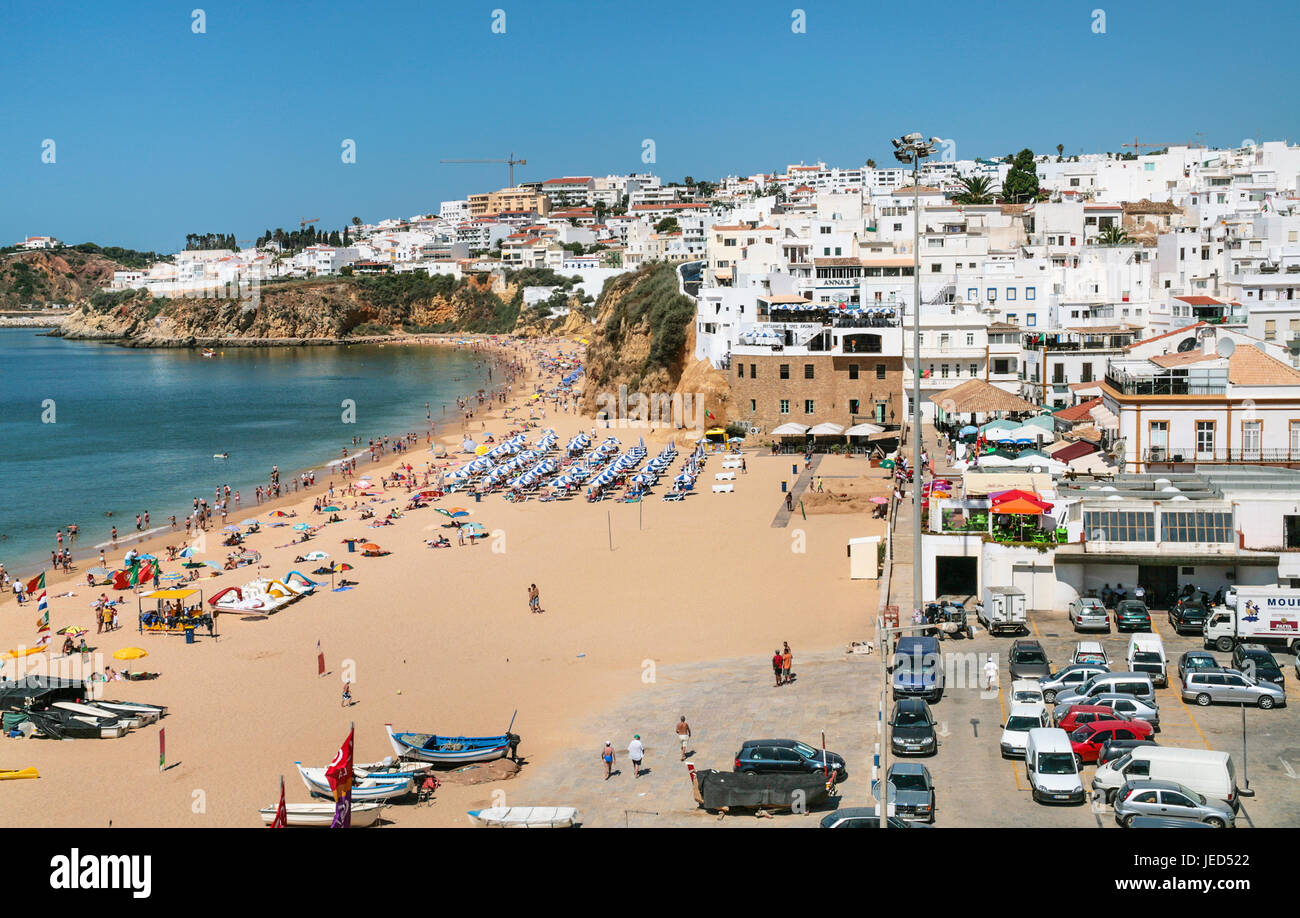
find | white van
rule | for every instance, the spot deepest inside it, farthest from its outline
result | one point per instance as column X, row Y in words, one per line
column 1146, row 654
column 1205, row 771
column 1026, row 691
column 1050, row 767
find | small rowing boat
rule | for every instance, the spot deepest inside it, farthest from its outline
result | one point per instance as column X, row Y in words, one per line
column 365, row 789
column 526, row 817
column 17, row 774
column 221, row 455
column 450, row 750
column 321, row 815
column 391, row 769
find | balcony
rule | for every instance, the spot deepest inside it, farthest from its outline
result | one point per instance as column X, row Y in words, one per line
column 1236, row 455
column 1172, row 383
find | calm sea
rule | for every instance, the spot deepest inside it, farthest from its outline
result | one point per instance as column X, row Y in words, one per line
column 90, row 429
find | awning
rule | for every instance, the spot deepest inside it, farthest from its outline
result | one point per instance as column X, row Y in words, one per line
column 1104, row 418
column 791, row 429
column 862, row 430
column 827, row 429
column 169, row 594
column 1075, row 450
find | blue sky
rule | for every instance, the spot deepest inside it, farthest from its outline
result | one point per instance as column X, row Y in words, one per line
column 160, row 131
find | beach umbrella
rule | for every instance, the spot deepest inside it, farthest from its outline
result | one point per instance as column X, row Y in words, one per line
column 887, row 463
column 171, row 577
column 130, row 653
column 301, row 526
column 212, row 564
column 276, row 514
column 879, row 500
column 369, row 548
column 74, row 630
column 331, row 509
column 456, row 512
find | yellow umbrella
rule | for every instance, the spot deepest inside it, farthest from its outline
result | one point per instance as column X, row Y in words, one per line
column 480, row 451
column 130, row 653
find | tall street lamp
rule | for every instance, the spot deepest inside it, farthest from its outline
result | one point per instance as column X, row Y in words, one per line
column 911, row 149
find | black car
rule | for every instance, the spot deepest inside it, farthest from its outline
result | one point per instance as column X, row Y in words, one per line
column 912, row 728
column 1193, row 660
column 1257, row 663
column 1132, row 615
column 1188, row 615
column 1028, row 660
column 1113, row 749
column 772, row 756
column 861, row 817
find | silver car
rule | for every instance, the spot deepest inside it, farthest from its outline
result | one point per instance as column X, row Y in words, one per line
column 1169, row 799
column 1134, row 708
column 1206, row 686
column 1068, row 678
column 1088, row 614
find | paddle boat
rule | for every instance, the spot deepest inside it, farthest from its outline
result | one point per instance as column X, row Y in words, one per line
column 526, row 817
column 366, row 789
column 221, row 455
column 148, row 713
column 17, row 774
column 321, row 815
column 450, row 750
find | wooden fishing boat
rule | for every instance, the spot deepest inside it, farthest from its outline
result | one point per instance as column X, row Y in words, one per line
column 17, row 774
column 391, row 769
column 450, row 750
column 366, row 789
column 526, row 817
column 321, row 815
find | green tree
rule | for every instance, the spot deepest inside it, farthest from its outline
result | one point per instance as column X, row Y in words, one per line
column 871, row 164
column 975, row 189
column 356, row 221
column 1021, row 183
column 1060, row 152
column 667, row 225
column 1113, row 235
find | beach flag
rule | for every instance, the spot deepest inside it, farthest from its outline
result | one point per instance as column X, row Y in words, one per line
column 121, row 581
column 43, row 623
column 709, row 415
column 146, row 573
column 36, row 583
column 162, row 748
column 339, row 774
column 320, row 660
column 281, row 820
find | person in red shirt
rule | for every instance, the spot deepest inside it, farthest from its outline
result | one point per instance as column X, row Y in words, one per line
column 776, row 665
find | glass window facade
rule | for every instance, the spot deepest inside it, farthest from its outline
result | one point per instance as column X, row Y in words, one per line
column 1196, row 526
column 1119, row 525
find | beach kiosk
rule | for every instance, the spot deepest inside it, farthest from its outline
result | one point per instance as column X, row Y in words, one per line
column 864, row 558
column 175, row 611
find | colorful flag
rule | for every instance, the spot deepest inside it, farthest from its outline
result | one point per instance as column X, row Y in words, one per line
column 281, row 820
column 43, row 623
column 146, row 573
column 320, row 660
column 36, row 583
column 339, row 774
column 121, row 581
column 162, row 748
column 709, row 414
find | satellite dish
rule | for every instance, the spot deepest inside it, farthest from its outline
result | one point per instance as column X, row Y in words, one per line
column 1225, row 347
column 1187, row 344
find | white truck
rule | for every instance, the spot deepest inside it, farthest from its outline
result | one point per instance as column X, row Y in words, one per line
column 1003, row 609
column 1255, row 614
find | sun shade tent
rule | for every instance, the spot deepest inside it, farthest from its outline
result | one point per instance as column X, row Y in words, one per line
column 827, row 429
column 1021, row 507
column 791, row 429
column 863, row 430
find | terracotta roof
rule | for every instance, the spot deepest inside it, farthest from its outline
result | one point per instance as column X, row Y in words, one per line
column 1200, row 301
column 1083, row 386
column 1178, row 331
column 1179, row 359
column 1249, row 366
column 837, row 262
column 975, row 396
column 1103, row 207
column 1080, row 412
column 569, row 180
column 911, row 189
column 1146, row 206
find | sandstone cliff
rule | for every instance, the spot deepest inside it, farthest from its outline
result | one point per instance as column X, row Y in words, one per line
column 52, row 276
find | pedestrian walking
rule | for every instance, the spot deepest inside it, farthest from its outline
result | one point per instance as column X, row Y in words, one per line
column 683, row 735
column 787, row 662
column 990, row 674
column 636, row 752
column 534, row 599
column 607, row 756
column 347, row 694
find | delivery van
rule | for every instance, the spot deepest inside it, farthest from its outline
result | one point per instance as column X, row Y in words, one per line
column 1050, row 767
column 1206, row 771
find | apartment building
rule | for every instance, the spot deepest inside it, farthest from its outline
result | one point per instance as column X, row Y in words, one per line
column 509, row 200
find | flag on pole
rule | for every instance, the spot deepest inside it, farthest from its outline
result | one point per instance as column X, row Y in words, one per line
column 43, row 623
column 339, row 774
column 36, row 583
column 162, row 747
column 281, row 820
column 320, row 660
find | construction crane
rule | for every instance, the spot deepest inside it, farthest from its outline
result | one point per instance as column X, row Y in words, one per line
column 302, row 223
column 510, row 160
column 1137, row 146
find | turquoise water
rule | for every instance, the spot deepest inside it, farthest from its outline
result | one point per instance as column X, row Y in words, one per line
column 135, row 429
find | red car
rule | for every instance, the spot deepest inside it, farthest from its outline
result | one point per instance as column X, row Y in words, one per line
column 1088, row 738
column 1076, row 715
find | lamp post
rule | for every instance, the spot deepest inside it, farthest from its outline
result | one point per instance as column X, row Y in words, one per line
column 910, row 149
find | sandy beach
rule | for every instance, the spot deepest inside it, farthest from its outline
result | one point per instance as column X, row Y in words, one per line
column 443, row 640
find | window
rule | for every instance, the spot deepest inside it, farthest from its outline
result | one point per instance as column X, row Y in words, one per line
column 1058, row 373
column 753, row 371
column 1001, row 367
column 1295, row 438
column 785, row 371
column 1205, row 439
column 1196, row 526
column 1119, row 525
column 880, row 371
column 853, row 371
column 853, row 406
column 974, row 369
column 1270, row 329
column 753, row 405
column 993, row 294
column 1011, row 293
column 1031, row 319
column 972, row 294
column 1252, row 436
column 936, row 267
column 807, row 371
column 1158, row 437
column 1087, row 372
column 943, row 371
column 970, row 339
column 740, row 370
column 1013, row 318
column 808, row 406
column 785, row 406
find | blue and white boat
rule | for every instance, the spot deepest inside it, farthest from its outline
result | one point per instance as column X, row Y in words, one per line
column 364, row 789
column 450, row 750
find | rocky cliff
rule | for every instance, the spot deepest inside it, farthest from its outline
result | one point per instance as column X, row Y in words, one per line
column 644, row 340
column 44, row 276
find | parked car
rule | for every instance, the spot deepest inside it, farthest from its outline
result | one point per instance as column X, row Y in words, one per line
column 1028, row 660
column 1026, row 691
column 1088, row 739
column 911, row 791
column 1133, row 708
column 912, row 728
column 1015, row 732
column 1114, row 749
column 769, row 756
column 1257, row 663
column 1163, row 822
column 1188, row 615
column 1090, row 652
column 1146, row 654
column 1194, row 660
column 1229, row 686
column 1132, row 615
column 1209, row 772
column 861, row 817
column 1076, row 715
column 1069, row 678
column 1088, row 614
column 1050, row 767
column 1169, row 799
column 917, row 668
column 1139, row 685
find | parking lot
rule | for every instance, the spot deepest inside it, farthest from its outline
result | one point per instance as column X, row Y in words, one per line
column 977, row 787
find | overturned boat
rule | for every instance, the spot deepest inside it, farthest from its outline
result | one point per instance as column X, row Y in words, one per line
column 526, row 817
column 321, row 815
column 723, row 791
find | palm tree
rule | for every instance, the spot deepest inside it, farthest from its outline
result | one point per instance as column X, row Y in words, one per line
column 1113, row 235
column 975, row 189
column 871, row 164
column 1060, row 151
